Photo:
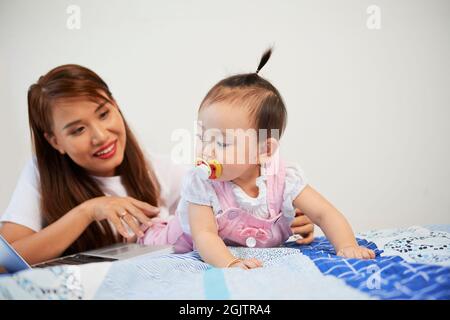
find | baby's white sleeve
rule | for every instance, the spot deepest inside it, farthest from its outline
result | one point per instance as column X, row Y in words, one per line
column 196, row 190
column 295, row 182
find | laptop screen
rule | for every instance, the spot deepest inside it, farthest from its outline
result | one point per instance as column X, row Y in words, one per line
column 10, row 259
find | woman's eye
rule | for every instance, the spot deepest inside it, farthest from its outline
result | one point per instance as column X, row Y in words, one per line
column 78, row 131
column 103, row 115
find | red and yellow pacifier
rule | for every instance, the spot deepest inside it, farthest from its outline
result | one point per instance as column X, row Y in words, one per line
column 211, row 169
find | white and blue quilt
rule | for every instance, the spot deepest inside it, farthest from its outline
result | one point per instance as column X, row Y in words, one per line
column 411, row 263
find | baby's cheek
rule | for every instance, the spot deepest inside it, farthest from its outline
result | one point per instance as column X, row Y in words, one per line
column 226, row 156
column 229, row 172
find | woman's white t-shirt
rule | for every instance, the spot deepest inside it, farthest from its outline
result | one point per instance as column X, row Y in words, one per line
column 24, row 207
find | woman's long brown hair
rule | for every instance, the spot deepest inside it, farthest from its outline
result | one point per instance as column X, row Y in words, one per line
column 63, row 184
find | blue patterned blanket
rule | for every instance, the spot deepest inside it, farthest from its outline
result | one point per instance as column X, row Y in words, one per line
column 412, row 263
column 389, row 277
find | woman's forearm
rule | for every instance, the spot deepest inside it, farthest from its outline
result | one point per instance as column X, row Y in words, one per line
column 53, row 240
column 212, row 249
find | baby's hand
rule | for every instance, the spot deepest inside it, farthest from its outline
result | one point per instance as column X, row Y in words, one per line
column 356, row 252
column 246, row 263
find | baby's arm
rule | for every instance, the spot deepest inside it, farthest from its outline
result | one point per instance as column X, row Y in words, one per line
column 332, row 223
column 208, row 243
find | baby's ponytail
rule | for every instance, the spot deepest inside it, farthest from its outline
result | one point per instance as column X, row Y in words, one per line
column 252, row 91
column 265, row 57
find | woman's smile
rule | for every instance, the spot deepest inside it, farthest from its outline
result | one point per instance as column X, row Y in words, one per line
column 107, row 151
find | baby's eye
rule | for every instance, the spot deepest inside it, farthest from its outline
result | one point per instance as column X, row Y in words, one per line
column 223, row 144
column 200, row 138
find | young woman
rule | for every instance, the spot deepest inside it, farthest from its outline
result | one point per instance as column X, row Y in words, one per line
column 89, row 183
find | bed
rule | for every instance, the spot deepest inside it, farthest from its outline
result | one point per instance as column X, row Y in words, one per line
column 410, row 263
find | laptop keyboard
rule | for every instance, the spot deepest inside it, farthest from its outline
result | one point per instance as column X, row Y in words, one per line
column 73, row 260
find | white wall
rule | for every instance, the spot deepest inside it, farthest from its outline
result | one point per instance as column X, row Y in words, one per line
column 368, row 109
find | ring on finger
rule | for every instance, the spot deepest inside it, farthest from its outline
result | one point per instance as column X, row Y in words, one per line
column 123, row 214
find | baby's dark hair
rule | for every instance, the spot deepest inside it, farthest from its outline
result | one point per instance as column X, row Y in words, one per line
column 251, row 91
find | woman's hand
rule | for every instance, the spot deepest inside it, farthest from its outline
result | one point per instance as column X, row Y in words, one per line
column 247, row 264
column 121, row 212
column 356, row 252
column 304, row 227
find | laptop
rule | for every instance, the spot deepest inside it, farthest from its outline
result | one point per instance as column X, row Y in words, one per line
column 12, row 262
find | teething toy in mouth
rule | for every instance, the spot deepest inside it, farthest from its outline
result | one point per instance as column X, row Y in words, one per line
column 211, row 169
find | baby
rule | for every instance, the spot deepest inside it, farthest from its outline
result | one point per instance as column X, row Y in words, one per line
column 250, row 197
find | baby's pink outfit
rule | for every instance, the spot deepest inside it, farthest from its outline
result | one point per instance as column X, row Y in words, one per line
column 236, row 226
